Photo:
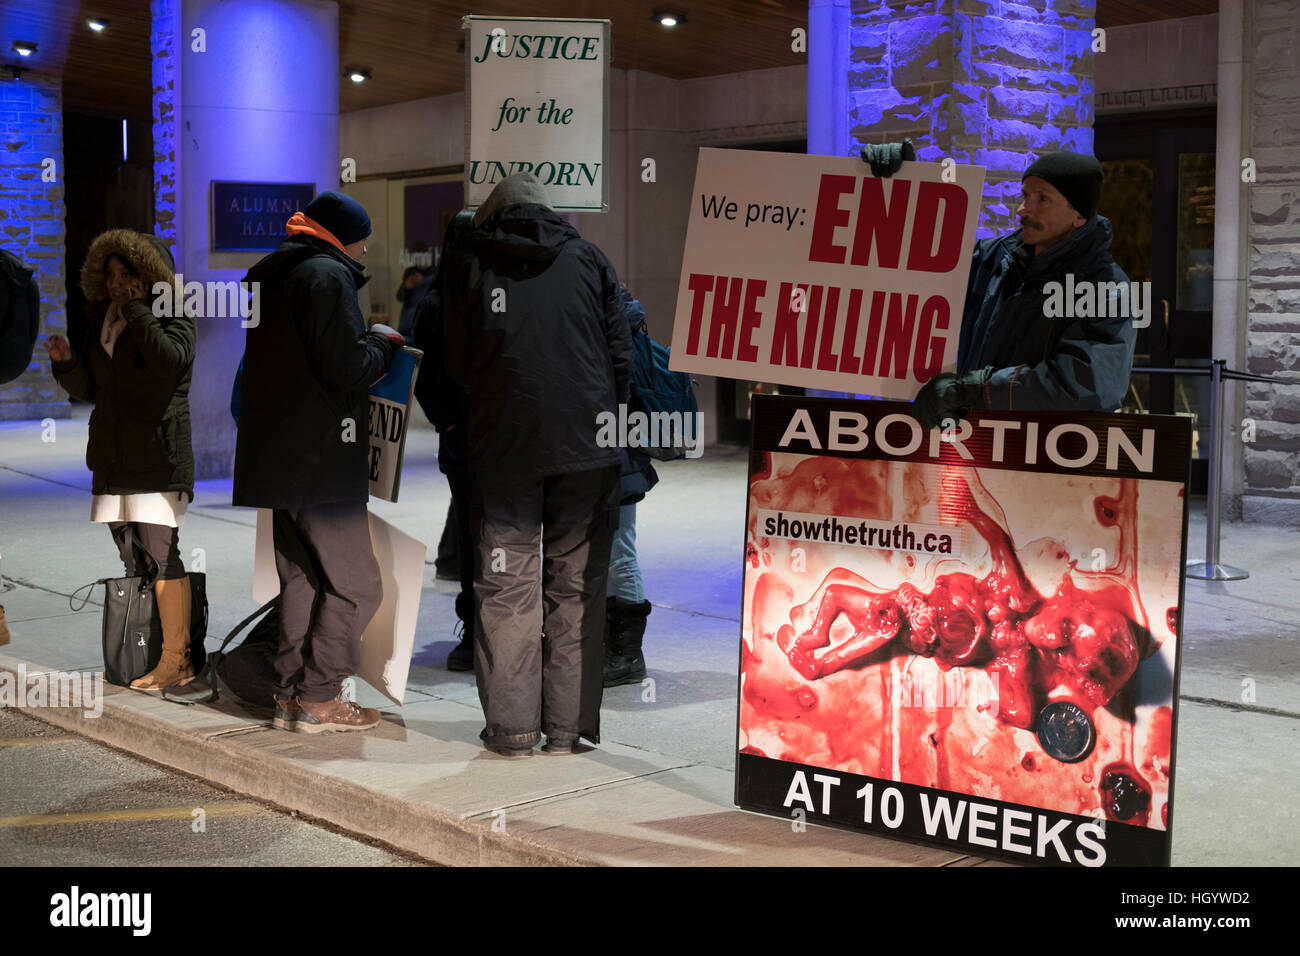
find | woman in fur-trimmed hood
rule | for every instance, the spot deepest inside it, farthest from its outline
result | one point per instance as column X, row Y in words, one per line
column 134, row 367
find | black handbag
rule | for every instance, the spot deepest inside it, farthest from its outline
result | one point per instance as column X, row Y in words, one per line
column 248, row 670
column 132, row 631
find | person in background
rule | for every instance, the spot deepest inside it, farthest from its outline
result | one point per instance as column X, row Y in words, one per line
column 446, row 406
column 135, row 368
column 408, row 294
column 536, row 335
column 302, row 451
column 627, row 609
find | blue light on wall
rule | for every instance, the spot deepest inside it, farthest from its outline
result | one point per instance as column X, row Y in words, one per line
column 992, row 90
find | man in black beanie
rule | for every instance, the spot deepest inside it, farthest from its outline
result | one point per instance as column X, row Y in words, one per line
column 303, row 451
column 1013, row 354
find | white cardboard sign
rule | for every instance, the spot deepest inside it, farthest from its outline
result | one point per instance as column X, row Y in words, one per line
column 810, row 271
column 537, row 100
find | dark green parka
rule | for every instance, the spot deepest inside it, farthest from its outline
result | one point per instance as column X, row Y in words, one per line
column 140, row 426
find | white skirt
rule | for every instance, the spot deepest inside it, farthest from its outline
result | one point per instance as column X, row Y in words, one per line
column 155, row 507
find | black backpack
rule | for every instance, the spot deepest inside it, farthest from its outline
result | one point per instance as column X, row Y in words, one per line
column 20, row 316
column 249, row 669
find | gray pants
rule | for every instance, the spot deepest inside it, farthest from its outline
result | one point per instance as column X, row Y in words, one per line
column 539, row 586
column 330, row 588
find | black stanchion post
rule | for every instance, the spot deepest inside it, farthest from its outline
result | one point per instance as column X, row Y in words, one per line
column 1210, row 569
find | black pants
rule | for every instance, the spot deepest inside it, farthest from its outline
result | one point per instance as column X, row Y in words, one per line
column 329, row 590
column 155, row 546
column 539, row 585
column 458, row 517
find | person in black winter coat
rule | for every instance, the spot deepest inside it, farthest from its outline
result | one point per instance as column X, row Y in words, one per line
column 302, row 451
column 446, row 406
column 20, row 295
column 542, row 348
column 1013, row 354
column 626, row 606
column 135, row 368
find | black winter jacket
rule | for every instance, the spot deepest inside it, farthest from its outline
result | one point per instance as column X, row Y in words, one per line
column 536, row 334
column 441, row 398
column 308, row 367
column 1043, row 363
column 140, row 427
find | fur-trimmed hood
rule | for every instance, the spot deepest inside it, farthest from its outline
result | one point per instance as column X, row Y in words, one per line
column 145, row 254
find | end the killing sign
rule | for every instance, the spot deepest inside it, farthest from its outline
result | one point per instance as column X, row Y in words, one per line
column 537, row 101
column 809, row 270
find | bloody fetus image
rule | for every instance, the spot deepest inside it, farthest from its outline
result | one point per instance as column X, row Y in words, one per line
column 1087, row 641
column 848, row 650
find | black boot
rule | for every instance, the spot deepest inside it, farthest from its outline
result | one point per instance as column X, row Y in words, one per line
column 461, row 657
column 624, row 662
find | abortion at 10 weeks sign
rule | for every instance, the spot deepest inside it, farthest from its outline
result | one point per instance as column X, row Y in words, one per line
column 808, row 270
column 968, row 640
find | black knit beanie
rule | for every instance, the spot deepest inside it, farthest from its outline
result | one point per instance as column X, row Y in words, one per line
column 1075, row 176
column 340, row 214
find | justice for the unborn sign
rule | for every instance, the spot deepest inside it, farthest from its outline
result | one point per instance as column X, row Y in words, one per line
column 808, row 270
column 537, row 101
column 967, row 639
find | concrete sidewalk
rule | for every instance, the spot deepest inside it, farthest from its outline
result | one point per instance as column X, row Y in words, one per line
column 659, row 789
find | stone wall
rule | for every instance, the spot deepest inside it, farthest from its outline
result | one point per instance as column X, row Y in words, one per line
column 164, row 41
column 1273, row 309
column 32, row 226
column 989, row 82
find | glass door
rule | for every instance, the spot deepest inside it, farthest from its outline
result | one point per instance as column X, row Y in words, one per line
column 1159, row 196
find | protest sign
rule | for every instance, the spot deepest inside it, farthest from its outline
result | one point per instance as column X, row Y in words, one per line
column 968, row 640
column 388, row 417
column 810, row 271
column 389, row 638
column 537, row 100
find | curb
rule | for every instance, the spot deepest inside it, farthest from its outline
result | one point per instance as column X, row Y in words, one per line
column 434, row 835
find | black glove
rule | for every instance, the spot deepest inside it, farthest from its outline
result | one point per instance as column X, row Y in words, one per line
column 950, row 396
column 886, row 159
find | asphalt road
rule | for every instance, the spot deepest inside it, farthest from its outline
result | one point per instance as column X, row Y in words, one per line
column 67, row 801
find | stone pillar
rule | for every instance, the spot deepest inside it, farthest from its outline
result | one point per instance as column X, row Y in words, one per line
column 995, row 83
column 32, row 227
column 1271, row 29
column 167, row 44
column 258, row 104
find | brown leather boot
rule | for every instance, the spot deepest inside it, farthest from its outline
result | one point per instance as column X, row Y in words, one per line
column 336, row 714
column 286, row 713
column 174, row 668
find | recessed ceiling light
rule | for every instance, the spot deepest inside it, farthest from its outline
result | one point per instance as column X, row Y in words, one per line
column 668, row 18
column 358, row 75
column 98, row 24
column 24, row 47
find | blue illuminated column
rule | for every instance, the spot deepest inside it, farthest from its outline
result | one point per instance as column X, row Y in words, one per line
column 996, row 83
column 32, row 225
column 258, row 103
